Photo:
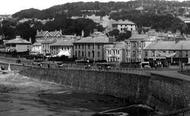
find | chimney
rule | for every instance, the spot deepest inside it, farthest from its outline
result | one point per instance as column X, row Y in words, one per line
column 30, row 40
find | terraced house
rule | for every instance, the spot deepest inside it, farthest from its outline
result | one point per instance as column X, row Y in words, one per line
column 91, row 47
column 169, row 51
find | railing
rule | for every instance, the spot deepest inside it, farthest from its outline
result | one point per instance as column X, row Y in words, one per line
column 139, row 71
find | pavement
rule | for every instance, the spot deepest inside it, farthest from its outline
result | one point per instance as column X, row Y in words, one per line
column 172, row 74
column 167, row 73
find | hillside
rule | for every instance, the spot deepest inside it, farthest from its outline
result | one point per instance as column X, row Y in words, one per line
column 27, row 13
column 157, row 14
column 101, row 9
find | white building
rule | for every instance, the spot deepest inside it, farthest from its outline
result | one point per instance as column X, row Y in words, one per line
column 62, row 47
column 115, row 52
column 124, row 25
column 36, row 48
column 18, row 44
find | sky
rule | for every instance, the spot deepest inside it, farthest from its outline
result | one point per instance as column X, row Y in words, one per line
column 12, row 6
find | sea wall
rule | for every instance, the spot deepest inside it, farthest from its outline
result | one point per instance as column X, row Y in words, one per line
column 163, row 93
column 130, row 86
column 168, row 93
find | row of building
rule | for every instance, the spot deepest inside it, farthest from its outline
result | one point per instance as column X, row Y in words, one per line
column 98, row 47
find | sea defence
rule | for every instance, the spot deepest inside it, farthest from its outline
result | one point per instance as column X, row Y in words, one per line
column 161, row 92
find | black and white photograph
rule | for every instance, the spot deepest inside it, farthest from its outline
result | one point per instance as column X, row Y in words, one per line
column 95, row 58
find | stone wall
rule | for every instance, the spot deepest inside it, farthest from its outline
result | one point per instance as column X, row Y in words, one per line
column 163, row 93
column 168, row 93
column 130, row 86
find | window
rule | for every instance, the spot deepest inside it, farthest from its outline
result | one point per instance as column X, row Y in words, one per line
column 88, row 54
column 78, row 53
column 82, row 53
column 109, row 52
column 98, row 54
column 98, row 46
column 75, row 53
column 88, row 46
column 79, row 46
column 93, row 54
column 146, row 54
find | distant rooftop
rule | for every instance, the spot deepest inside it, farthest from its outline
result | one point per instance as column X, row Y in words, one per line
column 62, row 42
column 48, row 41
column 47, row 33
column 37, row 44
column 121, row 45
column 137, row 36
column 17, row 40
column 170, row 45
column 121, row 22
column 96, row 37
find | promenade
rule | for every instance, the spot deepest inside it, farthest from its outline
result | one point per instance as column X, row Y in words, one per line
column 171, row 74
column 166, row 72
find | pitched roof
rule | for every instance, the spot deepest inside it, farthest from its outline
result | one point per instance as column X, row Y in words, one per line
column 48, row 41
column 54, row 33
column 45, row 33
column 41, row 33
column 123, row 22
column 17, row 40
column 121, row 45
column 161, row 45
column 37, row 44
column 94, row 38
column 62, row 42
column 183, row 45
column 169, row 45
column 139, row 37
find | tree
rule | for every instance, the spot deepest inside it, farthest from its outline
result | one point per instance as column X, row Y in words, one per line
column 78, row 25
column 26, row 30
column 120, row 36
column 8, row 29
column 114, row 32
column 124, row 36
